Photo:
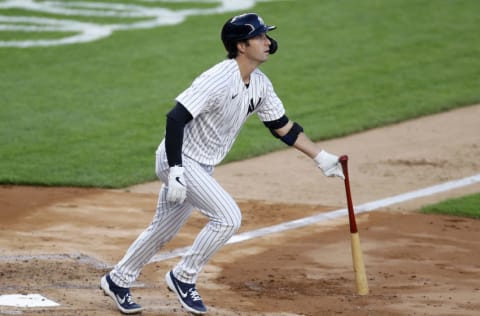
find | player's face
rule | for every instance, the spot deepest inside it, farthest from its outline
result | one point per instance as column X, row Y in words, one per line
column 258, row 48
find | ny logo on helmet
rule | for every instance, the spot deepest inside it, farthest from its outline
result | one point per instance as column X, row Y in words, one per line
column 259, row 19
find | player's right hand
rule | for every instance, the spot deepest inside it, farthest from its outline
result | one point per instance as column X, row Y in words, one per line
column 177, row 186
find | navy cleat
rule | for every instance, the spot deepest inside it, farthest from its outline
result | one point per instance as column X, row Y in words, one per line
column 187, row 294
column 120, row 295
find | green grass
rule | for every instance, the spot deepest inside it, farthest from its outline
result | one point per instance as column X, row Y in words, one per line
column 92, row 114
column 467, row 206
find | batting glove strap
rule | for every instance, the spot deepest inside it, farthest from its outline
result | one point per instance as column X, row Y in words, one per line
column 177, row 186
column 329, row 164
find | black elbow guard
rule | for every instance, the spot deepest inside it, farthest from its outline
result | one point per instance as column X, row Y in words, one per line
column 291, row 137
column 276, row 124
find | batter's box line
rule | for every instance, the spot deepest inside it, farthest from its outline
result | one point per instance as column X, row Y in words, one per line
column 310, row 220
column 298, row 223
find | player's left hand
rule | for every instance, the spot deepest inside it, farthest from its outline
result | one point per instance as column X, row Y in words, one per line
column 177, row 186
column 329, row 164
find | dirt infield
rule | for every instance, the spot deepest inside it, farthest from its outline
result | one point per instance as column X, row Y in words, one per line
column 59, row 241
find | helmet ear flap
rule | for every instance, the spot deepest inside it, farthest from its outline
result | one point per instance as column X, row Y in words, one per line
column 273, row 45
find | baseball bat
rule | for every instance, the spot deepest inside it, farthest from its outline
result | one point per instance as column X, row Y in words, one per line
column 358, row 265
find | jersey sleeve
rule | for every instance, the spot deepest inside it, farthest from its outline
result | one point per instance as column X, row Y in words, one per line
column 272, row 108
column 202, row 93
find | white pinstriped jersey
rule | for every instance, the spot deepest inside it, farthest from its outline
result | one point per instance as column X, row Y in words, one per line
column 220, row 103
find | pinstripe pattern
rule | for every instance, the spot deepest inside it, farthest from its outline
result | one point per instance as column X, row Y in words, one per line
column 205, row 194
column 220, row 103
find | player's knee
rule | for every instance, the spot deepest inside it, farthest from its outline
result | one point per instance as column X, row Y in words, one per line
column 236, row 222
column 232, row 219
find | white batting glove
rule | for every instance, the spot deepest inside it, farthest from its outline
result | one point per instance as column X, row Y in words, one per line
column 329, row 164
column 177, row 186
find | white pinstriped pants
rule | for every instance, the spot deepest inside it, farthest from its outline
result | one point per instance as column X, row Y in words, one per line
column 203, row 193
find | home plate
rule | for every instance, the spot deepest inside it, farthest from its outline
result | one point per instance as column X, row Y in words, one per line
column 28, row 300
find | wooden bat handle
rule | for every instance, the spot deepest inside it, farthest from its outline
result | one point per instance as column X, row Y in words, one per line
column 351, row 214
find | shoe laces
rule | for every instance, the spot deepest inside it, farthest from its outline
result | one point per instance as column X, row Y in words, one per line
column 194, row 295
column 129, row 299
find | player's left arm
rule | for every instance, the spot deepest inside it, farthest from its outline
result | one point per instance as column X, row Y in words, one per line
column 292, row 134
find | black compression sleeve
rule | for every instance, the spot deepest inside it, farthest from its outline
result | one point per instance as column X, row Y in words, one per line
column 177, row 118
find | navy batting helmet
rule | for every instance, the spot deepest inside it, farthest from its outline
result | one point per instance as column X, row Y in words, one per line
column 242, row 27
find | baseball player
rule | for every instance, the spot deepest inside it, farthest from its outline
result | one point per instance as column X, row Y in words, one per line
column 200, row 130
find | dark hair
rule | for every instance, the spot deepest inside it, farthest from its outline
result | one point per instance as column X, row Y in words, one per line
column 232, row 48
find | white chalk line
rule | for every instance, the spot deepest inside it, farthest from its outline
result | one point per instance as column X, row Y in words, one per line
column 32, row 299
column 257, row 233
column 314, row 219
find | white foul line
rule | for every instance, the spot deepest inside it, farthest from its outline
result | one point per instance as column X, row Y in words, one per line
column 35, row 300
column 367, row 207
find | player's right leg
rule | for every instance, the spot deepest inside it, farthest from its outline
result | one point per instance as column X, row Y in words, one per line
column 168, row 219
column 121, row 296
